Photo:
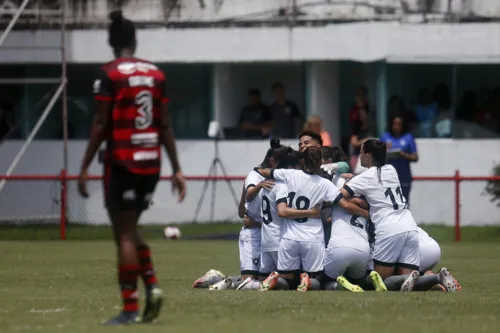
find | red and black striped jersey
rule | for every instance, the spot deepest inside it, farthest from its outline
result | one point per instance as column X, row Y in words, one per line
column 136, row 90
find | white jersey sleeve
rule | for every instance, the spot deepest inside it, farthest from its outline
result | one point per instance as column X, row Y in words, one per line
column 253, row 178
column 358, row 184
column 281, row 174
column 332, row 192
column 281, row 193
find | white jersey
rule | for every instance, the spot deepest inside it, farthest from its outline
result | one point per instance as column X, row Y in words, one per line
column 304, row 192
column 348, row 230
column 423, row 235
column 388, row 207
column 271, row 222
column 253, row 208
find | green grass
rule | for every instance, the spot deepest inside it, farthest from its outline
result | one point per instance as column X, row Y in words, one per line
column 155, row 232
column 70, row 287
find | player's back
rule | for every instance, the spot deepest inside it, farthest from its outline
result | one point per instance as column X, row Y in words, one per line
column 305, row 191
column 271, row 222
column 136, row 89
column 388, row 207
column 348, row 230
column 253, row 207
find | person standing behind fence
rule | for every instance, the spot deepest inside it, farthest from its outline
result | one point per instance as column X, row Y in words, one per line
column 285, row 114
column 402, row 150
column 315, row 124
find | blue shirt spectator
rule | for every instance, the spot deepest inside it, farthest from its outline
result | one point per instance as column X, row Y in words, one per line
column 401, row 150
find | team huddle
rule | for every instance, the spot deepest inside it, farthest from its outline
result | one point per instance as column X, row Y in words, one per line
column 310, row 225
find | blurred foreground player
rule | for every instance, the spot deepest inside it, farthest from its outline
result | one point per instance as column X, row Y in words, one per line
column 132, row 117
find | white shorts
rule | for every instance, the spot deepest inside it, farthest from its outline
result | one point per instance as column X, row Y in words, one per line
column 401, row 250
column 293, row 253
column 268, row 262
column 249, row 255
column 430, row 254
column 345, row 261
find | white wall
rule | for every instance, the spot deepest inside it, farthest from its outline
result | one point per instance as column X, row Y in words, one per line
column 323, row 81
column 431, row 202
column 365, row 42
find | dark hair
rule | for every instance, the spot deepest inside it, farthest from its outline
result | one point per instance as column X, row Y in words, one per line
column 288, row 160
column 404, row 128
column 121, row 31
column 312, row 159
column 313, row 135
column 254, row 92
column 336, row 154
column 277, row 85
column 378, row 150
column 272, row 152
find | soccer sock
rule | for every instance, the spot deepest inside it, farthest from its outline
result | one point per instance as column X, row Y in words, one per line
column 235, row 280
column 315, row 284
column 147, row 271
column 127, row 278
column 365, row 282
column 282, row 284
column 254, row 285
column 425, row 283
column 331, row 285
column 394, row 283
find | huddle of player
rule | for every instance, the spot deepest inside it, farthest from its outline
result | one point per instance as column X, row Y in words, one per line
column 308, row 225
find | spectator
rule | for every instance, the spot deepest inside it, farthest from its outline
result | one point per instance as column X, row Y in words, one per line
column 487, row 116
column 426, row 111
column 315, row 124
column 285, row 114
column 360, row 133
column 443, row 123
column 397, row 106
column 402, row 150
column 468, row 107
column 255, row 118
column 360, row 103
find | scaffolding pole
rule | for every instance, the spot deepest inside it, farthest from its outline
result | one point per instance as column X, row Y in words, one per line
column 14, row 20
column 31, row 81
column 33, row 133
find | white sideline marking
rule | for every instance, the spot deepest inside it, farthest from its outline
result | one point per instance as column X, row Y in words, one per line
column 57, row 310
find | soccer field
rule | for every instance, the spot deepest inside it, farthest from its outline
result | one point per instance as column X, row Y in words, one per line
column 70, row 287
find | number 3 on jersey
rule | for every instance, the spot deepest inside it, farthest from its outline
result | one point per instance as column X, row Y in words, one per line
column 144, row 102
column 395, row 204
column 301, row 203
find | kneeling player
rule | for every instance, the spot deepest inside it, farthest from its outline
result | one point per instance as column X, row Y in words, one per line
column 133, row 118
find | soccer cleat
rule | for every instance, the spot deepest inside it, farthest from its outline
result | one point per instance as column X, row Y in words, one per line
column 204, row 281
column 305, row 282
column 377, row 281
column 124, row 318
column 437, row 287
column 244, row 283
column 342, row 281
column 429, row 273
column 448, row 281
column 270, row 282
column 410, row 281
column 154, row 301
column 222, row 285
column 459, row 286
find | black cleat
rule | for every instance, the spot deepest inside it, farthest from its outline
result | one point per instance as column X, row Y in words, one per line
column 154, row 302
column 124, row 318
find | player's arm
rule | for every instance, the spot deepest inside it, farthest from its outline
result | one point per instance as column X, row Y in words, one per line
column 353, row 208
column 292, row 213
column 167, row 139
column 249, row 222
column 241, row 206
column 359, row 202
column 412, row 155
column 103, row 91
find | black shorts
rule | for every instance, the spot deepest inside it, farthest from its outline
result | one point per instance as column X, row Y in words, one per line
column 124, row 190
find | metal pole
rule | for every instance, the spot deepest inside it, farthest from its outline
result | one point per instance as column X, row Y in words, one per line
column 64, row 92
column 31, row 81
column 32, row 135
column 13, row 21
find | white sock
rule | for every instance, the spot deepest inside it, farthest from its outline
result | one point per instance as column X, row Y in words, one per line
column 253, row 285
